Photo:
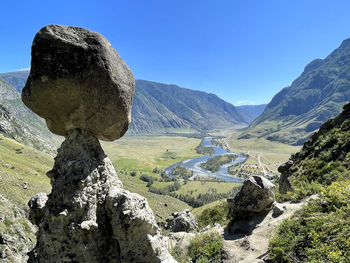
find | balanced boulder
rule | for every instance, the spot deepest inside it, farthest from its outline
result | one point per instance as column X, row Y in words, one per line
column 78, row 81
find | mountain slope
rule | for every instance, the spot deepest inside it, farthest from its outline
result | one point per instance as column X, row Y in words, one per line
column 161, row 106
column 320, row 232
column 16, row 78
column 20, row 123
column 316, row 95
column 324, row 157
column 251, row 112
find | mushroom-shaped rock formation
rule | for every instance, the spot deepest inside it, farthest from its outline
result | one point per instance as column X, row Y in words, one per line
column 88, row 216
column 78, row 81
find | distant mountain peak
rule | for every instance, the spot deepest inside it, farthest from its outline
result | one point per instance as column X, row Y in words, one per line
column 345, row 43
column 315, row 96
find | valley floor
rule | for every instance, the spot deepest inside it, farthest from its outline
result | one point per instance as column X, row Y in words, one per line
column 264, row 157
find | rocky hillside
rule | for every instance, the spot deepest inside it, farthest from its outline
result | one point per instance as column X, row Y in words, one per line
column 19, row 123
column 16, row 78
column 324, row 158
column 251, row 112
column 160, row 107
column 316, row 95
column 320, row 232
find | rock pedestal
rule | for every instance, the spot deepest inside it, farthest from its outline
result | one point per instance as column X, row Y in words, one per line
column 89, row 217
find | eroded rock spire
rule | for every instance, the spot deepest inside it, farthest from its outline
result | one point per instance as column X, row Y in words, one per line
column 83, row 89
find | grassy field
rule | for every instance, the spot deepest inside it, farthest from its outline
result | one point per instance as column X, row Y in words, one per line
column 199, row 210
column 144, row 153
column 260, row 145
column 195, row 188
column 21, row 164
column 162, row 205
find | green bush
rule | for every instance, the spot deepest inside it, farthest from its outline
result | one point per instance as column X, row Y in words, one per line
column 206, row 248
column 210, row 216
column 320, row 232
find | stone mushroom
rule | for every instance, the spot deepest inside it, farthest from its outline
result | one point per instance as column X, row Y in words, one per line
column 84, row 90
column 78, row 81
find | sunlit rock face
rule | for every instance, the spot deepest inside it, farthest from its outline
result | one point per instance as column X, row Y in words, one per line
column 78, row 81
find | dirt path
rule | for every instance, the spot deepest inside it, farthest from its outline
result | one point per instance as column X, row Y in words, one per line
column 253, row 248
column 261, row 165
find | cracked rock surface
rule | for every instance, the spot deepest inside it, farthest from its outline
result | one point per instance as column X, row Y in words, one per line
column 78, row 80
column 89, row 217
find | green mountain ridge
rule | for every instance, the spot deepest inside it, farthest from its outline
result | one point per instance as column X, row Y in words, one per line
column 320, row 232
column 16, row 78
column 315, row 96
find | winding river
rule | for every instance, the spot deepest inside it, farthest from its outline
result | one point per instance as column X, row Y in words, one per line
column 194, row 164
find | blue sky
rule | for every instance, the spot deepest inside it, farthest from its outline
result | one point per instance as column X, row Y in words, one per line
column 243, row 51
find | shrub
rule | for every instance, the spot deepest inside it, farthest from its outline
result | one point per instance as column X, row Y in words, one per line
column 210, row 216
column 206, row 248
column 320, row 232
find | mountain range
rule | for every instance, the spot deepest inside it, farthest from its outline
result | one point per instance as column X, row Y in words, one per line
column 157, row 109
column 158, row 106
column 250, row 112
column 315, row 96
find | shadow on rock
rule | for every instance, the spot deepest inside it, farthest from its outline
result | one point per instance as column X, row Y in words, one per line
column 249, row 207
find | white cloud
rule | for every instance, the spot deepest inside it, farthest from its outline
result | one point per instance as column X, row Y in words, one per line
column 244, row 102
column 23, row 69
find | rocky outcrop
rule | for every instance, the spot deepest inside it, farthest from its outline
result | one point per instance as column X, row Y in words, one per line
column 17, row 235
column 183, row 221
column 88, row 217
column 36, row 207
column 83, row 89
column 251, row 204
column 77, row 80
column 256, row 195
column 284, row 181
